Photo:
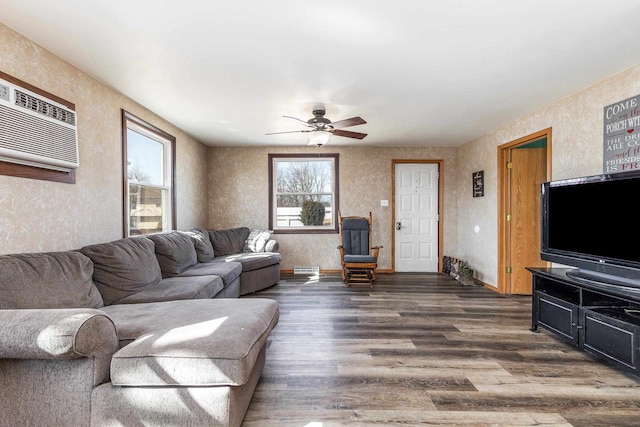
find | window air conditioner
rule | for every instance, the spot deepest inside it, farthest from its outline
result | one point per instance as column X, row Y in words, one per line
column 35, row 130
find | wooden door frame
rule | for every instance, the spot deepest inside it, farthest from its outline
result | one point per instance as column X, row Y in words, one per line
column 440, row 164
column 503, row 199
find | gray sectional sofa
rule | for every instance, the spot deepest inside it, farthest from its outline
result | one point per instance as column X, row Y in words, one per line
column 146, row 330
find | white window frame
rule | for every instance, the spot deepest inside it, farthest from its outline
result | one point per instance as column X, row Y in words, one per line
column 334, row 193
column 135, row 124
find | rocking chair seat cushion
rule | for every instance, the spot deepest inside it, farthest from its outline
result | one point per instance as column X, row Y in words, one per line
column 359, row 259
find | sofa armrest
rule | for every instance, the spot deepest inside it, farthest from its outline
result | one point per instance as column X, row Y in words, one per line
column 56, row 334
column 271, row 246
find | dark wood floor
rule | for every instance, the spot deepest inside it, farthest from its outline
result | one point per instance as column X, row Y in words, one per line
column 419, row 349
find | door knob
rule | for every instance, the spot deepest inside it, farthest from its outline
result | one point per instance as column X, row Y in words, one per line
column 398, row 225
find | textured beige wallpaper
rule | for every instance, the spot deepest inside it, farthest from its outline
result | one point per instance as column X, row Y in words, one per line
column 577, row 145
column 224, row 187
column 239, row 196
column 45, row 216
column 238, row 181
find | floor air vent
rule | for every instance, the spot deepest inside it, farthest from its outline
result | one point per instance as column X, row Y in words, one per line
column 314, row 269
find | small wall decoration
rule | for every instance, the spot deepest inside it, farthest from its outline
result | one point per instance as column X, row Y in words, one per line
column 478, row 184
column 622, row 136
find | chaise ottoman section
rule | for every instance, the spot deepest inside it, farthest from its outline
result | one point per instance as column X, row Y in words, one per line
column 221, row 406
column 194, row 362
column 191, row 342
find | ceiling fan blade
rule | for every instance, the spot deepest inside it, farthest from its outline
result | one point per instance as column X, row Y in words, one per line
column 353, row 121
column 349, row 134
column 288, row 131
column 298, row 120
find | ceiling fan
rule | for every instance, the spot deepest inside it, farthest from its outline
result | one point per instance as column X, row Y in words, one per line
column 321, row 128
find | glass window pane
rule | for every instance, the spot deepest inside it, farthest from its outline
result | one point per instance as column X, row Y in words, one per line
column 303, row 211
column 309, row 176
column 146, row 213
column 145, row 158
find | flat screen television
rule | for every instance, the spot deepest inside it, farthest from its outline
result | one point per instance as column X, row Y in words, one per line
column 590, row 223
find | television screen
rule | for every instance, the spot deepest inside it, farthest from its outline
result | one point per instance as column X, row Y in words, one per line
column 589, row 223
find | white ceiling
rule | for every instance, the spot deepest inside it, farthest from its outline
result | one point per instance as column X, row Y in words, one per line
column 420, row 72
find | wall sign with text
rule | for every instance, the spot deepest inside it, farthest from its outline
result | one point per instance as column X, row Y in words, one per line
column 622, row 136
column 478, row 184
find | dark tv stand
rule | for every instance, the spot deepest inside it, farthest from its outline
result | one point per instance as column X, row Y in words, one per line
column 600, row 319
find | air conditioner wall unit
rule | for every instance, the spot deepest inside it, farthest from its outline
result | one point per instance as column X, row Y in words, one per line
column 36, row 130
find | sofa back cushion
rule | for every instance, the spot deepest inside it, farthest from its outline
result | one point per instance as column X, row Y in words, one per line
column 123, row 267
column 230, row 241
column 47, row 280
column 202, row 243
column 175, row 251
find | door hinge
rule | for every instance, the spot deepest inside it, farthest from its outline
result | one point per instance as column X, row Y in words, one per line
column 508, row 270
column 508, row 217
column 509, row 165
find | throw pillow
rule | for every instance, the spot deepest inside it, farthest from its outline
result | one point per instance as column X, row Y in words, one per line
column 257, row 240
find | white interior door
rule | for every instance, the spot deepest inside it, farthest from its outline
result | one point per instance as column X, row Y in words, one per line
column 416, row 215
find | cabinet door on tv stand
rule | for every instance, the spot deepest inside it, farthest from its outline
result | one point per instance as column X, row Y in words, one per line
column 610, row 339
column 558, row 316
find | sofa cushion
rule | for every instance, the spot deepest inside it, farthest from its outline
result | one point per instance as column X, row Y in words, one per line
column 227, row 271
column 230, row 241
column 175, row 251
column 178, row 288
column 191, row 343
column 47, row 280
column 257, row 240
column 123, row 267
column 252, row 261
column 202, row 243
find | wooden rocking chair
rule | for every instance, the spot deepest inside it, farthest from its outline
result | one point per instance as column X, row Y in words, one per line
column 358, row 258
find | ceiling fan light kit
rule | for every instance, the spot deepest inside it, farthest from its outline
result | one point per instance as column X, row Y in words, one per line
column 319, row 137
column 320, row 128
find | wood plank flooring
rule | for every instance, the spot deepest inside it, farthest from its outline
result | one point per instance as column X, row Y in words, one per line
column 420, row 349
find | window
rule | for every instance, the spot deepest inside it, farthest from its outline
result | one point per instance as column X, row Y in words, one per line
column 149, row 173
column 303, row 195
